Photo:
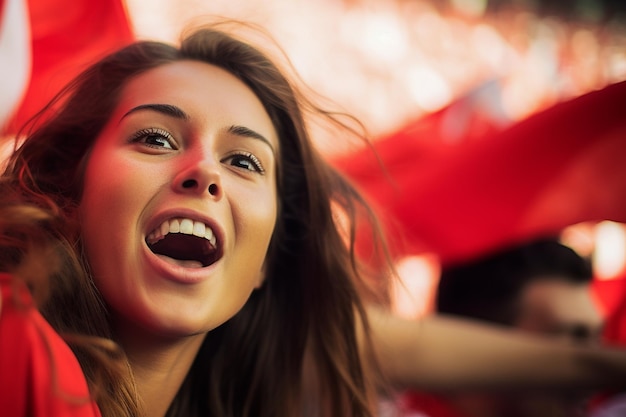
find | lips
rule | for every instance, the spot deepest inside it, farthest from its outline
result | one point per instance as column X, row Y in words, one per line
column 185, row 242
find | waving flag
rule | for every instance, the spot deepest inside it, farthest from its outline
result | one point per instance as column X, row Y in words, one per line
column 559, row 167
column 45, row 43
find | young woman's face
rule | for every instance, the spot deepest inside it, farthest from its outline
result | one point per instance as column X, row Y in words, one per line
column 180, row 200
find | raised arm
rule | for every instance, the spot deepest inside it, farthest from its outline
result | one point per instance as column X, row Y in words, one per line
column 445, row 353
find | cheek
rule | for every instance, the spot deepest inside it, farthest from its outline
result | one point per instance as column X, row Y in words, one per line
column 111, row 181
column 112, row 195
column 266, row 216
column 258, row 213
column 100, row 218
column 265, row 222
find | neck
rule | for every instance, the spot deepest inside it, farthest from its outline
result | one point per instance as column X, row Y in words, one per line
column 160, row 368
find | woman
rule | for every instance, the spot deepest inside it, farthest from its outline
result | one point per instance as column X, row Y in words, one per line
column 195, row 223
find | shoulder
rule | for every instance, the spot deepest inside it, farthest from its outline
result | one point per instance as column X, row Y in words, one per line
column 39, row 374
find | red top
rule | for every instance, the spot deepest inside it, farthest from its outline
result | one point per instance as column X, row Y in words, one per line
column 427, row 405
column 39, row 374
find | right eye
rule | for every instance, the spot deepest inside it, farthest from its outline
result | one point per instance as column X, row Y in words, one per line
column 154, row 138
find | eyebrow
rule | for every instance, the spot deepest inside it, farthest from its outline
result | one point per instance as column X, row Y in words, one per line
column 249, row 133
column 178, row 113
column 166, row 109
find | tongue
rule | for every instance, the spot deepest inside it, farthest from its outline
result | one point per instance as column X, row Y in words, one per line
column 181, row 262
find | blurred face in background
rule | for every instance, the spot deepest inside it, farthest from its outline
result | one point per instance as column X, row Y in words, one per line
column 551, row 306
column 560, row 308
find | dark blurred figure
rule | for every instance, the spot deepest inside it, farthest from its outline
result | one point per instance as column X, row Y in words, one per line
column 540, row 287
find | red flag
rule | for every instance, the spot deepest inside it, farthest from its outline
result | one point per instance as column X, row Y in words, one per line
column 66, row 37
column 559, row 167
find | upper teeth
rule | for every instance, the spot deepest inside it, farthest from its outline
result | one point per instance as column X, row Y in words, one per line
column 184, row 226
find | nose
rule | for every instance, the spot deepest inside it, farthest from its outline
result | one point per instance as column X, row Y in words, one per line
column 198, row 178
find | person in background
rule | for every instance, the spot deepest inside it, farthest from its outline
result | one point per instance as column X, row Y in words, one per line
column 542, row 286
column 539, row 287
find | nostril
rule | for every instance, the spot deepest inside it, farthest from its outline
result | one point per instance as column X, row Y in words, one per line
column 190, row 184
column 213, row 189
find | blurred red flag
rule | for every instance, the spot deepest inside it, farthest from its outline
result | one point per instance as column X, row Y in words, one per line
column 65, row 38
column 559, row 167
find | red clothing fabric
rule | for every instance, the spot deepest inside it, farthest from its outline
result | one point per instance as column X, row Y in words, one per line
column 429, row 405
column 39, row 374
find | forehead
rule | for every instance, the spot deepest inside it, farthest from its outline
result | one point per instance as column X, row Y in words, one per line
column 205, row 92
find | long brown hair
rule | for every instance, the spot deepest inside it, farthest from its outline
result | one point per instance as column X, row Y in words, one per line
column 309, row 308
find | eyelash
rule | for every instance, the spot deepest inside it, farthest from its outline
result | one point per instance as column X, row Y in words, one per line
column 153, row 132
column 258, row 167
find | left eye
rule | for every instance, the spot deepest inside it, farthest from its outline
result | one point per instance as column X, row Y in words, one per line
column 245, row 161
column 154, row 138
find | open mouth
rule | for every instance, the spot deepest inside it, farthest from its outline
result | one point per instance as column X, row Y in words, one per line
column 185, row 242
